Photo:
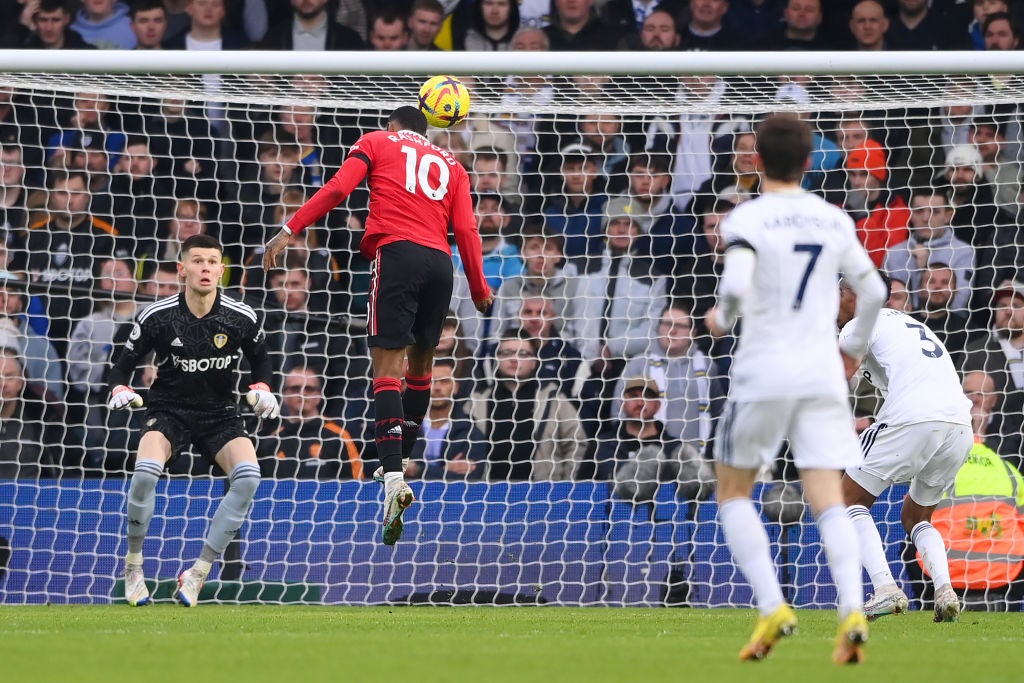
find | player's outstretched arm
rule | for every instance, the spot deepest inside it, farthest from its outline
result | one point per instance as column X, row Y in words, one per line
column 484, row 305
column 467, row 237
column 275, row 247
column 326, row 198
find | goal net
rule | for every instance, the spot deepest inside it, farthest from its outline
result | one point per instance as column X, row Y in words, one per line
column 540, row 478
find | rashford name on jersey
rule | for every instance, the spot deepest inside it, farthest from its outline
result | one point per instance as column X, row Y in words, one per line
column 409, row 136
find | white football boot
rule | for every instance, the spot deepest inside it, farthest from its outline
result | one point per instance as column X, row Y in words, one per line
column 189, row 584
column 947, row 604
column 135, row 590
column 886, row 600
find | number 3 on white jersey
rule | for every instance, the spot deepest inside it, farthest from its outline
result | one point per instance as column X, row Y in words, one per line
column 421, row 173
column 934, row 350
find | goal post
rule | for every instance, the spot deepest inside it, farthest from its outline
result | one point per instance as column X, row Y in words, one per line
column 163, row 143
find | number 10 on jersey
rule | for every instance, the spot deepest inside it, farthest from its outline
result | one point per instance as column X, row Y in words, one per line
column 417, row 173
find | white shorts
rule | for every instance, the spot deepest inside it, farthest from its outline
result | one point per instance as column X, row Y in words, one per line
column 927, row 454
column 819, row 430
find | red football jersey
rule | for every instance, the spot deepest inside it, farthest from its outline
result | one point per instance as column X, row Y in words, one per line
column 416, row 190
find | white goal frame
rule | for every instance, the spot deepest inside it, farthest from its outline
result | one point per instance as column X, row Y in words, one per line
column 560, row 502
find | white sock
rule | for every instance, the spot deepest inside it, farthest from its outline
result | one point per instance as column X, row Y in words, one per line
column 134, row 559
column 748, row 544
column 202, row 567
column 391, row 477
column 929, row 543
column 872, row 553
column 840, row 541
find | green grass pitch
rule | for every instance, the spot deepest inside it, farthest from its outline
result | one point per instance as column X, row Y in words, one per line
column 250, row 644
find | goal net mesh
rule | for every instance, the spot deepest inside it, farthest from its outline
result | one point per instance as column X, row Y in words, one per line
column 535, row 486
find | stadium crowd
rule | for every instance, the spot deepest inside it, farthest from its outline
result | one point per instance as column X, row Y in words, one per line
column 600, row 232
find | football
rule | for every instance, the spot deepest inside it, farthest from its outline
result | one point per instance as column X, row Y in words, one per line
column 444, row 100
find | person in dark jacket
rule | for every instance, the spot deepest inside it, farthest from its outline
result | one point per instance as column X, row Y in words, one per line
column 639, row 455
column 306, row 444
column 50, row 29
column 451, row 447
column 311, row 27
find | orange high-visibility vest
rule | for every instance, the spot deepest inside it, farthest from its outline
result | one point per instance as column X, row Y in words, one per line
column 981, row 523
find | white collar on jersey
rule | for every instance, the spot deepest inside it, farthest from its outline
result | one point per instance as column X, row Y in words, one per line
column 412, row 132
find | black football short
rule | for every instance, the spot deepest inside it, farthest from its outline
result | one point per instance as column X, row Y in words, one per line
column 410, row 294
column 207, row 431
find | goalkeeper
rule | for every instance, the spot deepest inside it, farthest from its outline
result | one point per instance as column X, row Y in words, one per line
column 198, row 337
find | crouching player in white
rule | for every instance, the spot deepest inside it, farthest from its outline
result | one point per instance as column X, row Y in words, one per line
column 785, row 252
column 198, row 337
column 922, row 434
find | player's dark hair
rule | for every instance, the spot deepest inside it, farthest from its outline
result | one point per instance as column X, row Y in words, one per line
column 409, row 118
column 844, row 282
column 200, row 242
column 784, row 142
column 887, row 281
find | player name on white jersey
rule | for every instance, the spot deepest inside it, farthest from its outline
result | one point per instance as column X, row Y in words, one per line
column 788, row 346
column 914, row 372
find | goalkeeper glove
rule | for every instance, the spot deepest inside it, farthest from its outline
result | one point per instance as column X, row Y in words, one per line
column 262, row 401
column 122, row 397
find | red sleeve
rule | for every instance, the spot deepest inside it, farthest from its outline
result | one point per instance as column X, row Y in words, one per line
column 333, row 193
column 468, row 239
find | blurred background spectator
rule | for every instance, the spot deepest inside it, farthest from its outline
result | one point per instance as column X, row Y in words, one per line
column 307, row 444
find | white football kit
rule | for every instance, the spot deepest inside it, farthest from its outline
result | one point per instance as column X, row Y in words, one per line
column 922, row 433
column 786, row 251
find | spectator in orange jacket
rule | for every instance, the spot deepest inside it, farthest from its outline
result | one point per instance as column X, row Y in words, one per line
column 881, row 216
